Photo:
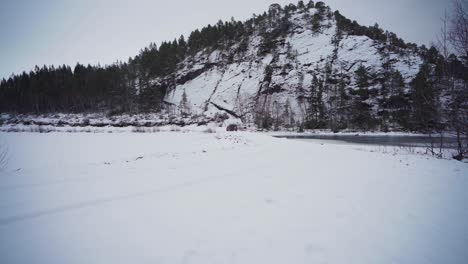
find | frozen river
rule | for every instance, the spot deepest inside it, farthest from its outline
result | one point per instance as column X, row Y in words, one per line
column 391, row 140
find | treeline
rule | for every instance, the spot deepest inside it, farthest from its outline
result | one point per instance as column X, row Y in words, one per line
column 374, row 32
column 118, row 88
column 50, row 89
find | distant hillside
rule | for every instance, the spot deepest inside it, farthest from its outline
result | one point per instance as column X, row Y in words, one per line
column 295, row 66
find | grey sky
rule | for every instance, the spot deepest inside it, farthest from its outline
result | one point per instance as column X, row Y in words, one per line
column 103, row 31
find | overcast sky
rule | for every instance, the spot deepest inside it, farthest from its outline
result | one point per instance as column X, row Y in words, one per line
column 102, row 31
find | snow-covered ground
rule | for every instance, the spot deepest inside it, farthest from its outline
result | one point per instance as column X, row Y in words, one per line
column 195, row 197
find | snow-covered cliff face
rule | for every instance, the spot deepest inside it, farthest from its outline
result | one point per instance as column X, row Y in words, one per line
column 242, row 83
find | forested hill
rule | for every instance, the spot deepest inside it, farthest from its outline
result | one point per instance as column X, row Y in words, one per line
column 300, row 65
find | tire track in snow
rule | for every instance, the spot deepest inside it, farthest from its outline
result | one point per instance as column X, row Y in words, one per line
column 67, row 180
column 61, row 209
column 65, row 208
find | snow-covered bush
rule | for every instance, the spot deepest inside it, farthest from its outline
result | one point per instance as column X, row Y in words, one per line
column 232, row 127
column 175, row 129
column 209, row 130
column 139, row 130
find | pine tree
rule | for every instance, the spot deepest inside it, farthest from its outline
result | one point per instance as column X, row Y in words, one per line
column 184, row 105
column 316, row 109
column 288, row 115
column 300, row 5
column 398, row 101
column 181, row 48
column 361, row 111
column 277, row 120
column 423, row 95
column 362, row 80
column 316, row 20
column 385, row 83
column 342, row 106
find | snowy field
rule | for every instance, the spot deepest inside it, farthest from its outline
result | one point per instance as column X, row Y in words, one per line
column 173, row 197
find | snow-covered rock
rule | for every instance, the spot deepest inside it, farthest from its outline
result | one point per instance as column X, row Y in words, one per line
column 214, row 83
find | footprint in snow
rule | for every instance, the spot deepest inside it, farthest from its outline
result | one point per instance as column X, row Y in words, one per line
column 315, row 253
column 340, row 197
column 188, row 256
column 340, row 215
column 312, row 248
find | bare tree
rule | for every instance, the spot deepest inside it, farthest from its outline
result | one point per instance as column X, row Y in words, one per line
column 3, row 156
column 276, row 115
column 458, row 38
column 443, row 37
column 458, row 33
column 443, row 45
